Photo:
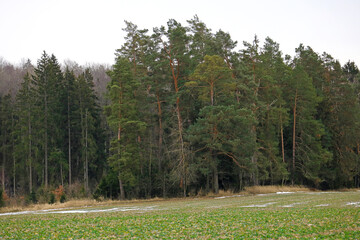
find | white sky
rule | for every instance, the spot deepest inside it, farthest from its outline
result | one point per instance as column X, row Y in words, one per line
column 89, row 31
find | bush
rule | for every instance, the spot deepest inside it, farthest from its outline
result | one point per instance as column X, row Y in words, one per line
column 62, row 198
column 75, row 190
column 108, row 187
column 2, row 201
column 32, row 197
column 60, row 194
column 52, row 198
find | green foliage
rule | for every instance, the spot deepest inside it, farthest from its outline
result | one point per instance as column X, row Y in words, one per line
column 123, row 118
column 184, row 112
column 32, row 197
column 108, row 187
column 52, row 199
column 62, row 198
column 2, row 201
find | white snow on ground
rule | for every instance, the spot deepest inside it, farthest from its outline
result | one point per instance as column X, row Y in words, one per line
column 17, row 213
column 292, row 205
column 318, row 193
column 356, row 204
column 322, row 205
column 264, row 194
column 54, row 211
column 260, row 205
column 284, row 192
column 228, row 196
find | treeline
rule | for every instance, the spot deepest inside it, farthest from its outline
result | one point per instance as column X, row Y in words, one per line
column 184, row 114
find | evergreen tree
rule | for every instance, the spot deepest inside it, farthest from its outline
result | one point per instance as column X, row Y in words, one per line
column 25, row 147
column 273, row 114
column 308, row 154
column 89, row 117
column 174, row 50
column 69, row 82
column 6, row 116
column 340, row 113
column 124, row 120
column 211, row 79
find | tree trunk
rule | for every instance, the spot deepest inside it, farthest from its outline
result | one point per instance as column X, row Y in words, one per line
column 294, row 136
column 3, row 163
column 207, row 189
column 159, row 152
column 13, row 155
column 282, row 140
column 61, row 175
column 69, row 138
column 122, row 193
column 216, row 180
column 254, row 174
column 29, row 154
column 46, row 142
column 160, row 144
column 240, row 181
column 86, row 164
column 180, row 127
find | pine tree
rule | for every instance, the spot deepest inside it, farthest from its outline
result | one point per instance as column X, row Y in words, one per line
column 211, row 79
column 340, row 113
column 273, row 114
column 308, row 155
column 175, row 52
column 124, row 120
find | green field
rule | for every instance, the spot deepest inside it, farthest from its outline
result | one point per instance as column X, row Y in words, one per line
column 329, row 215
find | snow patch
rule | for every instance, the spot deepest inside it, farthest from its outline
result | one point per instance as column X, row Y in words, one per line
column 222, row 197
column 263, row 194
column 322, row 205
column 318, row 193
column 54, row 211
column 356, row 204
column 291, row 205
column 16, row 213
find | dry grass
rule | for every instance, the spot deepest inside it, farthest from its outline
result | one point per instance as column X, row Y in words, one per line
column 78, row 203
column 274, row 189
column 75, row 203
column 260, row 190
column 36, row 207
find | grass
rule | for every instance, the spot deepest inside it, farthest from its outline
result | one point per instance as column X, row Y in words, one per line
column 330, row 215
column 274, row 189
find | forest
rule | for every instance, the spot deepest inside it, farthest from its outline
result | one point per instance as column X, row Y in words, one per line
column 181, row 112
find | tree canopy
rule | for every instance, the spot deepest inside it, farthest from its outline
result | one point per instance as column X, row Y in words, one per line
column 183, row 113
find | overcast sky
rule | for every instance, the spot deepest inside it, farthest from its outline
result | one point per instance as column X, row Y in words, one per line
column 89, row 31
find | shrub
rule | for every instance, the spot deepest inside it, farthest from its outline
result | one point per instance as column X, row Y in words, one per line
column 2, row 201
column 75, row 190
column 62, row 198
column 108, row 187
column 32, row 197
column 52, row 198
column 60, row 194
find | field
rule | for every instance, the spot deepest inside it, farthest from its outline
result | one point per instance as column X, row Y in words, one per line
column 281, row 215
